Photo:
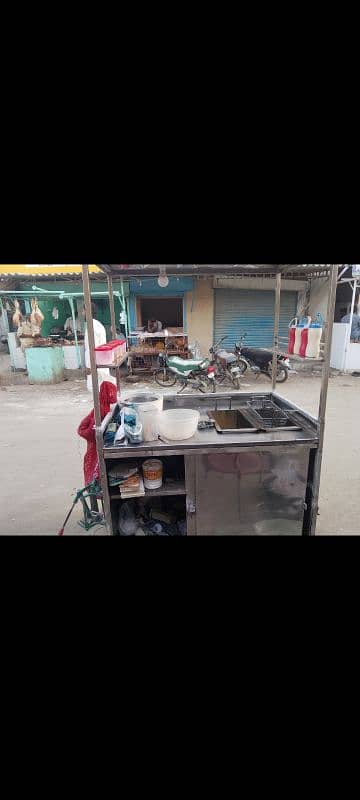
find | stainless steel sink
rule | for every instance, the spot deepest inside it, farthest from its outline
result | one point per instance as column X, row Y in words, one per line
column 235, row 421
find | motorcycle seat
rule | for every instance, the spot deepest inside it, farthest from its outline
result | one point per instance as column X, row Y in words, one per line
column 188, row 364
column 230, row 358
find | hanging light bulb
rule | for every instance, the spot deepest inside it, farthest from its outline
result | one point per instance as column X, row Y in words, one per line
column 163, row 279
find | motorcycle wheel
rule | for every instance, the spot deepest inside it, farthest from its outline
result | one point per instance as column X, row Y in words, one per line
column 282, row 374
column 243, row 365
column 211, row 386
column 165, row 378
column 220, row 376
column 236, row 382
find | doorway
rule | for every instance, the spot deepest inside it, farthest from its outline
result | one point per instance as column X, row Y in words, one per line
column 169, row 310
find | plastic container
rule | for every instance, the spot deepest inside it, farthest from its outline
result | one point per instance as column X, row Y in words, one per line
column 153, row 473
column 305, row 322
column 150, row 422
column 315, row 335
column 292, row 332
column 178, row 423
column 110, row 353
column 304, row 342
column 144, row 401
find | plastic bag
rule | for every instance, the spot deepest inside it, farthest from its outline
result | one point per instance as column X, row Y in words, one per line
column 128, row 522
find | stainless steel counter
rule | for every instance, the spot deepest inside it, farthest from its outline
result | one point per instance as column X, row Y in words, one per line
column 210, row 440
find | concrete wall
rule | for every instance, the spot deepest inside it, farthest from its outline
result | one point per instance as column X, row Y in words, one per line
column 339, row 360
column 200, row 314
column 319, row 296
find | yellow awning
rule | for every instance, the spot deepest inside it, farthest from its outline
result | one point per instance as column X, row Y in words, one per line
column 29, row 270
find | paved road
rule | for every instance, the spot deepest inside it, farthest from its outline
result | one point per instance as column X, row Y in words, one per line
column 41, row 455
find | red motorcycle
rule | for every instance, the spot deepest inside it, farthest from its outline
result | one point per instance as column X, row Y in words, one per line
column 226, row 364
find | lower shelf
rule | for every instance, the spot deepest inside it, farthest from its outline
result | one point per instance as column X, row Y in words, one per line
column 170, row 488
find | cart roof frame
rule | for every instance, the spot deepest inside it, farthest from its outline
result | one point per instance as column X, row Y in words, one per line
column 128, row 271
column 206, row 270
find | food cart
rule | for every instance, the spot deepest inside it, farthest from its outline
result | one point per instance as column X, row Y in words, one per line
column 258, row 470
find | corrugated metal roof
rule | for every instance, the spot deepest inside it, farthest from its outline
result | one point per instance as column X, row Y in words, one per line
column 152, row 270
column 44, row 270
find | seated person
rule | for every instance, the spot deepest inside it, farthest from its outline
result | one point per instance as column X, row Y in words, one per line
column 355, row 328
column 154, row 326
column 69, row 327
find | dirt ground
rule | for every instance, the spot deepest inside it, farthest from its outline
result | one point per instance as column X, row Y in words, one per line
column 41, row 455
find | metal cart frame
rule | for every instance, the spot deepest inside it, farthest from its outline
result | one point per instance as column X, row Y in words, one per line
column 256, row 270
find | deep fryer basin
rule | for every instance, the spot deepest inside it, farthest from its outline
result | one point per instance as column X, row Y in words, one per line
column 234, row 421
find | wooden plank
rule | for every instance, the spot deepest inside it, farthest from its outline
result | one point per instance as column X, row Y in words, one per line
column 167, row 490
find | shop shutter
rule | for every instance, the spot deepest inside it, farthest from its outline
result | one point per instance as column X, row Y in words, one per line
column 240, row 311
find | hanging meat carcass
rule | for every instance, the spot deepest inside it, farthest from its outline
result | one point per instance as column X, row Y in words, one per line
column 36, row 318
column 17, row 315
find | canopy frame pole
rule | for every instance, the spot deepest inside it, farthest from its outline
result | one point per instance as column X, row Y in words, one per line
column 125, row 309
column 348, row 337
column 329, row 326
column 71, row 301
column 111, row 304
column 276, row 329
column 113, row 321
column 95, row 385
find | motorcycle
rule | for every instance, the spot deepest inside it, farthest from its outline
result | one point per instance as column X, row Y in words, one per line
column 259, row 360
column 226, row 364
column 196, row 373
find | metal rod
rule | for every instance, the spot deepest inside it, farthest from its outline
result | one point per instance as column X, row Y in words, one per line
column 91, row 340
column 3, row 314
column 323, row 395
column 342, row 272
column 348, row 337
column 111, row 304
column 113, row 321
column 125, row 307
column 60, row 295
column 71, row 301
column 103, row 479
column 276, row 329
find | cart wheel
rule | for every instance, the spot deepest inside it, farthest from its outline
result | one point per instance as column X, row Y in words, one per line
column 164, row 377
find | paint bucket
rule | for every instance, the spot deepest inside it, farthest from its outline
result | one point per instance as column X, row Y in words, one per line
column 153, row 473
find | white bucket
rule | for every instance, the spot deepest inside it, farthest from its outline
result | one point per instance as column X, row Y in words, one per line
column 144, row 401
column 153, row 473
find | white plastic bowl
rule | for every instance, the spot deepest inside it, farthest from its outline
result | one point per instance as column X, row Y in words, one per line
column 178, row 423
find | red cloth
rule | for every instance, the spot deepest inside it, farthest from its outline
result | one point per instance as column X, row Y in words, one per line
column 108, row 395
